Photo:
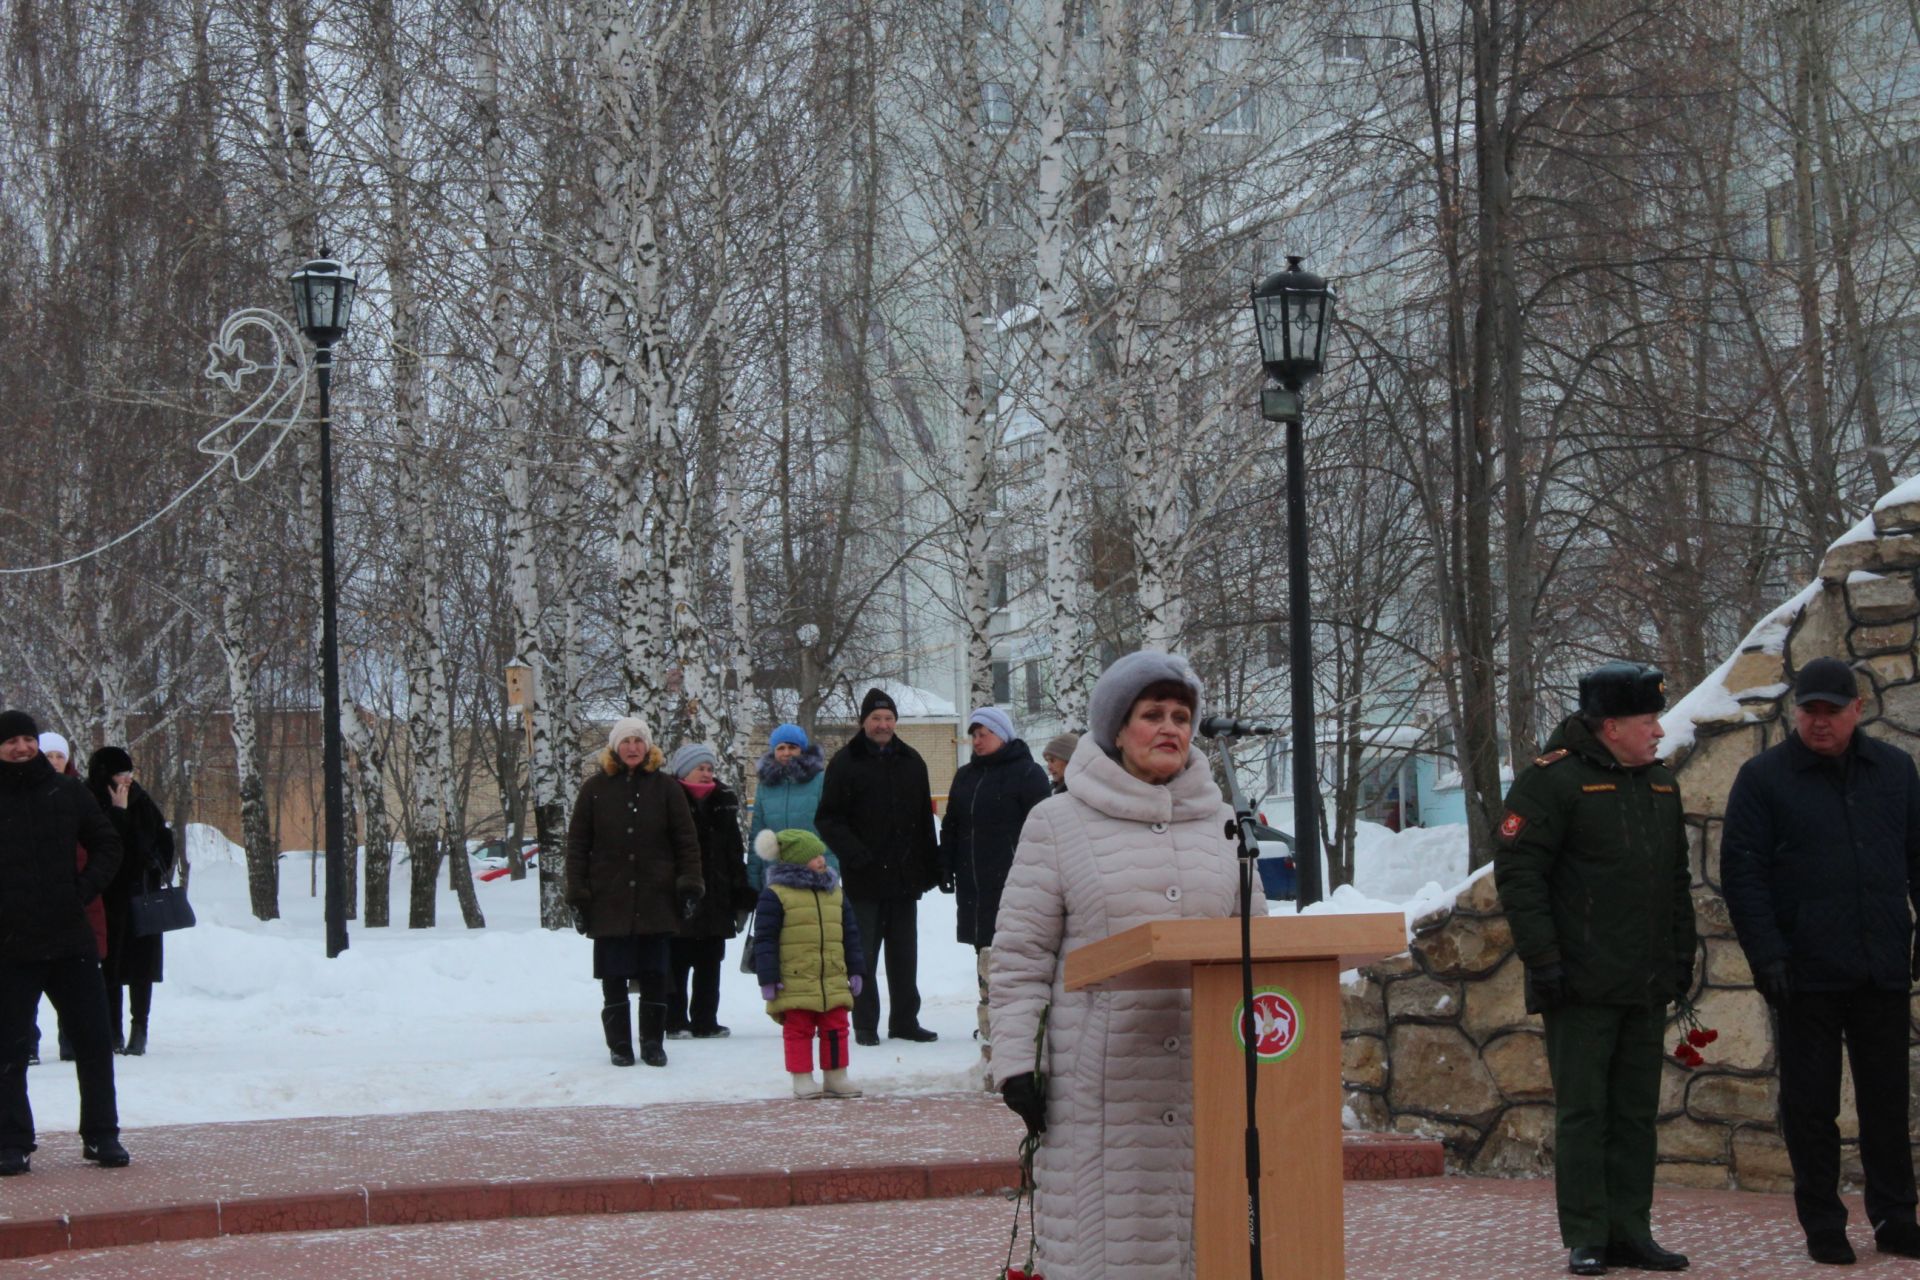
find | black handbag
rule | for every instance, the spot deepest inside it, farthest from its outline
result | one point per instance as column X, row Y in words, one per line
column 159, row 910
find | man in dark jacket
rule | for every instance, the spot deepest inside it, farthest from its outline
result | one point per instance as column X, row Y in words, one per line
column 46, row 944
column 1821, row 863
column 876, row 814
column 1591, row 864
column 986, row 808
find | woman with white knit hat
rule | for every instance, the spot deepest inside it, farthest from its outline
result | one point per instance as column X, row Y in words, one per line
column 632, row 875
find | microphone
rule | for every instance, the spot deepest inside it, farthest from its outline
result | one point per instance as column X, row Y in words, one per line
column 1228, row 727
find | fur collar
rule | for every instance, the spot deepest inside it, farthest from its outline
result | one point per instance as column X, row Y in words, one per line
column 797, row 877
column 1098, row 781
column 611, row 766
column 802, row 768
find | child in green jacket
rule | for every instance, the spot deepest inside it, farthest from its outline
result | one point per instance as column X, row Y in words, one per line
column 806, row 954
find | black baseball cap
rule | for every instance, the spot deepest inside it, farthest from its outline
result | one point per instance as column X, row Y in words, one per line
column 1617, row 689
column 1825, row 680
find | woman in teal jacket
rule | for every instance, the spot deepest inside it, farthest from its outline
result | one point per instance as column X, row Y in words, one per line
column 788, row 793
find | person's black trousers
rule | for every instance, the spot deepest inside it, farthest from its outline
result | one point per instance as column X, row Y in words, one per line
column 79, row 996
column 700, row 959
column 892, row 924
column 1810, row 1030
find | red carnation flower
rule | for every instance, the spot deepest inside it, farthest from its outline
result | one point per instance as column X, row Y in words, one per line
column 1698, row 1038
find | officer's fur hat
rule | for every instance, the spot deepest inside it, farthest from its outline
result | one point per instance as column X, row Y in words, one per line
column 1617, row 689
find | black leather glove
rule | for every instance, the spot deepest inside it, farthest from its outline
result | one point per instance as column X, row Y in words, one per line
column 1775, row 987
column 689, row 903
column 579, row 915
column 1546, row 987
column 1026, row 1097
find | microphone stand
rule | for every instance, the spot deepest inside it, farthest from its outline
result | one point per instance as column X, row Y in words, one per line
column 1241, row 831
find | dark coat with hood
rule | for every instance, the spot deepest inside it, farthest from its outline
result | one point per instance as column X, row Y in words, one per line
column 1591, row 863
column 146, row 859
column 43, row 895
column 632, row 849
column 1820, row 862
column 876, row 814
column 986, row 809
column 723, row 865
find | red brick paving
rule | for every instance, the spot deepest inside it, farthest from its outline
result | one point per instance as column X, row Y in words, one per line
column 193, row 1181
column 1438, row 1227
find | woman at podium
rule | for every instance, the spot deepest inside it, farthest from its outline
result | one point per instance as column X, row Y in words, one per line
column 1139, row 835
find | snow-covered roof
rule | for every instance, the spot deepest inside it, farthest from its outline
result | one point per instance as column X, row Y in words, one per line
column 842, row 707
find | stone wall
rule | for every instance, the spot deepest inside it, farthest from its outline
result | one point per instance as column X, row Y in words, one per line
column 1437, row 1040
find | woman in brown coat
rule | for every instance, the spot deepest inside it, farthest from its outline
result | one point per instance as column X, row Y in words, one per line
column 633, row 873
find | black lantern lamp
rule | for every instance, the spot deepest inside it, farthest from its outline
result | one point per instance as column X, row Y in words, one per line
column 322, row 301
column 1292, row 311
column 322, row 306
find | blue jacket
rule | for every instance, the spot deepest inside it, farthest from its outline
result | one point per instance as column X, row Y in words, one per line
column 1820, row 863
column 785, row 800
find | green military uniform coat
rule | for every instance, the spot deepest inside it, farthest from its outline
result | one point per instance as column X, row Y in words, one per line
column 1592, row 869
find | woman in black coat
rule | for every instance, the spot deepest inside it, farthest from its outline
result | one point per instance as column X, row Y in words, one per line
column 132, row 963
column 632, row 876
column 987, row 806
column 699, row 950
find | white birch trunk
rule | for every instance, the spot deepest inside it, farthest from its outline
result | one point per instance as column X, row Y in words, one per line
column 1066, row 566
column 970, row 187
column 256, row 824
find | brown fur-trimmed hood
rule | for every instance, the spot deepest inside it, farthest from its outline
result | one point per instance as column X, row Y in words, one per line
column 610, row 765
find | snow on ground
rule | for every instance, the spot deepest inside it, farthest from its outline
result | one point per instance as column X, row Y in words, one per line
column 254, row 1022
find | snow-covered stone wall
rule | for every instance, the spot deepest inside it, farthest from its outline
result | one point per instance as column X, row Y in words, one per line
column 1437, row 1040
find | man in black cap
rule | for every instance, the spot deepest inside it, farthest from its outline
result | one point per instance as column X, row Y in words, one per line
column 1820, row 859
column 876, row 814
column 1591, row 864
column 47, row 944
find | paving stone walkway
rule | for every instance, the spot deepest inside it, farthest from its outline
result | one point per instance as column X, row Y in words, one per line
column 1408, row 1230
column 206, row 1182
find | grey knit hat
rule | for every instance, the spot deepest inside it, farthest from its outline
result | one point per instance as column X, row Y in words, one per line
column 1061, row 748
column 1121, row 683
column 689, row 756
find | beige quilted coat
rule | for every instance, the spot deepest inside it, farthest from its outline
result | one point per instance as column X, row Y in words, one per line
column 1115, row 1170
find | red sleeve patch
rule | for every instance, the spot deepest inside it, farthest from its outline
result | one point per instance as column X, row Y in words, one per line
column 1512, row 826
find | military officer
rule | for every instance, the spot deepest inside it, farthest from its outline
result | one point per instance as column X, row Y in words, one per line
column 1591, row 864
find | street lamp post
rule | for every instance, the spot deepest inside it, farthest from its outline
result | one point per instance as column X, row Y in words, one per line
column 1292, row 310
column 322, row 302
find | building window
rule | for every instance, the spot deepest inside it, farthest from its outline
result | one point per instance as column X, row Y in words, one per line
column 1006, row 293
column 1226, row 114
column 996, row 105
column 1224, row 17
column 1002, row 683
column 1036, row 698
column 1276, row 645
column 1089, row 203
column 1086, row 112
column 999, row 14
column 995, row 205
column 1346, row 49
column 997, row 584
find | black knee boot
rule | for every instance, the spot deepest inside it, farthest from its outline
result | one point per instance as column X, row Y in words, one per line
column 613, row 1020
column 653, row 1033
column 140, row 1005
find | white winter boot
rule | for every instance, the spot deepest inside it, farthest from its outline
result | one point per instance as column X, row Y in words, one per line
column 838, row 1086
column 805, row 1086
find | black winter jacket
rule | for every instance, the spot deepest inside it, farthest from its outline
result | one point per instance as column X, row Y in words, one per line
column 876, row 814
column 1820, row 863
column 43, row 816
column 723, row 865
column 986, row 809
column 146, row 856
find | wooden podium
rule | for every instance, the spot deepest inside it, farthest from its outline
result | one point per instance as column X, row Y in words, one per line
column 1296, row 981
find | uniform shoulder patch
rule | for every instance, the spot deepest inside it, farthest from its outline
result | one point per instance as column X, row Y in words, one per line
column 1600, row 786
column 1664, row 788
column 1512, row 825
column 1552, row 757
